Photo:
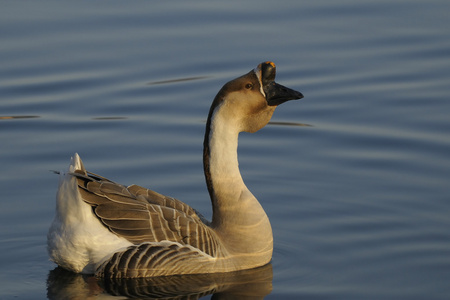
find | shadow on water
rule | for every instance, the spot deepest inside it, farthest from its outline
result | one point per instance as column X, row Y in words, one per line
column 17, row 117
column 34, row 117
column 247, row 284
column 177, row 80
column 289, row 124
column 109, row 118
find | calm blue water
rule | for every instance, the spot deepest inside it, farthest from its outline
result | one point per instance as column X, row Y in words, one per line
column 358, row 197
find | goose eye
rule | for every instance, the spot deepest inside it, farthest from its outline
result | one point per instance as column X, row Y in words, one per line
column 249, row 86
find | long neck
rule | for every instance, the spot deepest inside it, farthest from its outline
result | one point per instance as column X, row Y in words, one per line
column 221, row 166
column 237, row 214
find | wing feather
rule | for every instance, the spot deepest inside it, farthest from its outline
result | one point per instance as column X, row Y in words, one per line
column 141, row 215
column 126, row 224
column 144, row 260
column 121, row 212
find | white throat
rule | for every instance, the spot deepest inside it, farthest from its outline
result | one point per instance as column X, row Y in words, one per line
column 237, row 214
column 223, row 142
column 227, row 189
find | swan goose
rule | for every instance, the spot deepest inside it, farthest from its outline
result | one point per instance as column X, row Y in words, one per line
column 112, row 230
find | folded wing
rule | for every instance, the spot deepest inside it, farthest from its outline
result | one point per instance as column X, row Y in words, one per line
column 147, row 259
column 143, row 216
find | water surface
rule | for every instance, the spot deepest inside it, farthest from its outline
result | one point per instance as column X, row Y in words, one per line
column 358, row 196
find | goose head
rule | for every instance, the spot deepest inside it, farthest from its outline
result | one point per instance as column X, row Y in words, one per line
column 248, row 102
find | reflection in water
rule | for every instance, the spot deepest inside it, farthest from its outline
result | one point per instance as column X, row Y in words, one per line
column 247, row 284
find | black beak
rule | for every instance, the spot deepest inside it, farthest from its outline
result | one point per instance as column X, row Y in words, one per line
column 275, row 93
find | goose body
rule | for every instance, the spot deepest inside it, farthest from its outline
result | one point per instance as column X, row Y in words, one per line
column 112, row 230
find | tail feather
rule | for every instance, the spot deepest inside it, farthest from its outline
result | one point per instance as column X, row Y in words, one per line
column 76, row 164
column 77, row 240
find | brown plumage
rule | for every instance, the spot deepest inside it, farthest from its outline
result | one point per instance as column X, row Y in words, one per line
column 114, row 230
column 142, row 215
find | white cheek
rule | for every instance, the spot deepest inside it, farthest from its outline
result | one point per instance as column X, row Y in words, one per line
column 261, row 90
column 258, row 75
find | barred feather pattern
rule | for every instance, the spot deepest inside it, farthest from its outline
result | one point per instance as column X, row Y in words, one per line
column 163, row 229
column 146, row 259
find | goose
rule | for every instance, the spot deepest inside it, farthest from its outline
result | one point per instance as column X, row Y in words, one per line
column 117, row 231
